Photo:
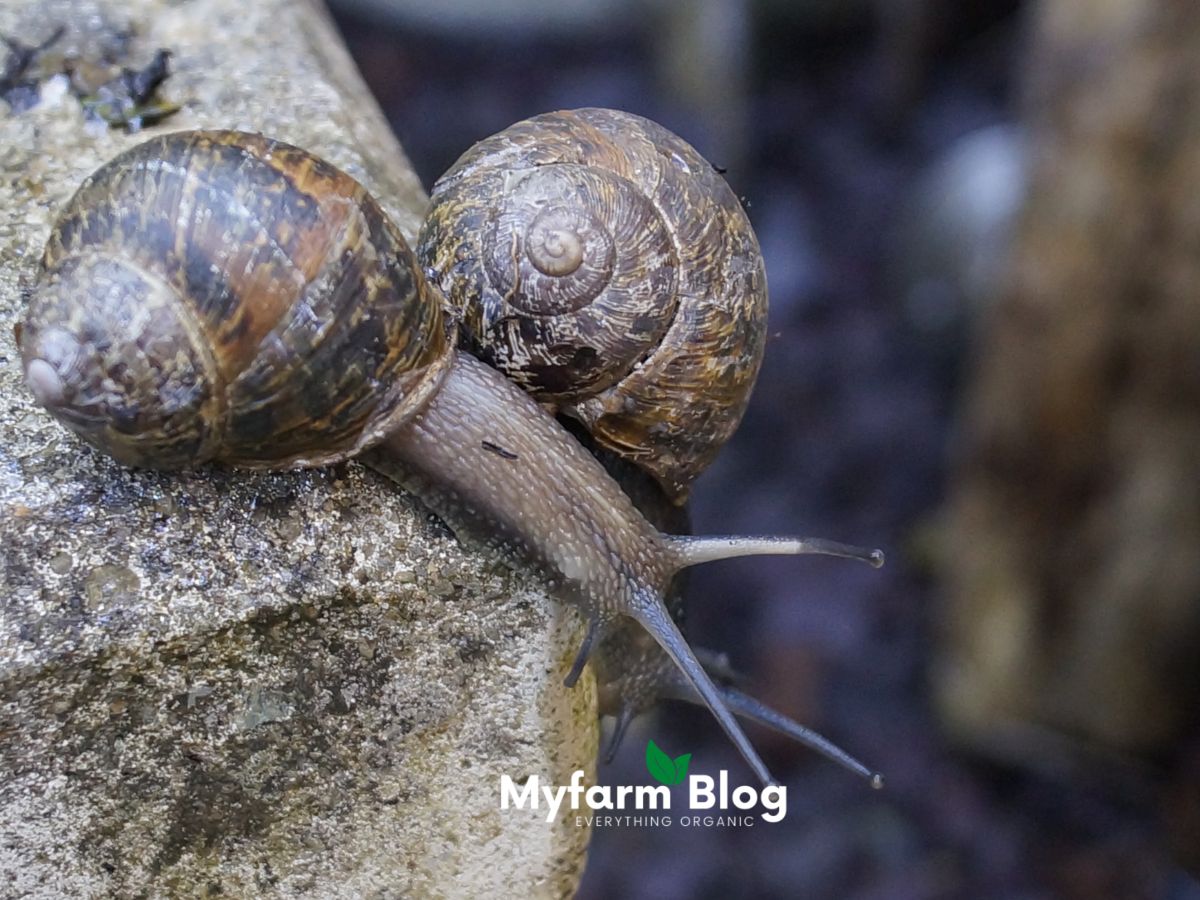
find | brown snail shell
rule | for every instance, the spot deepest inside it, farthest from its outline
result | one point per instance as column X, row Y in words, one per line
column 306, row 333
column 602, row 264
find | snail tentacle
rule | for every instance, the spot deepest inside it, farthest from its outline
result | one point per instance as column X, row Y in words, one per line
column 666, row 682
column 590, row 640
column 747, row 707
column 691, row 550
column 655, row 619
column 621, row 723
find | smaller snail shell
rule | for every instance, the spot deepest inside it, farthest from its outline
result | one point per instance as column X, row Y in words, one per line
column 601, row 263
column 219, row 295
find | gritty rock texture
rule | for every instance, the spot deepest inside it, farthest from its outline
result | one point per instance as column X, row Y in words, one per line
column 222, row 683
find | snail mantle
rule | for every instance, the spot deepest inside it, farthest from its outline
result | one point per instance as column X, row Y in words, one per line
column 255, row 684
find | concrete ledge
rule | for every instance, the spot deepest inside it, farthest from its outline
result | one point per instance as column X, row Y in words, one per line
column 223, row 683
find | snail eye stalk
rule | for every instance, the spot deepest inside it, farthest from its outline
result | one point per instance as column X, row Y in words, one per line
column 691, row 551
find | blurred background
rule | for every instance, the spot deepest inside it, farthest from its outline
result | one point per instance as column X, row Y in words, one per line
column 981, row 224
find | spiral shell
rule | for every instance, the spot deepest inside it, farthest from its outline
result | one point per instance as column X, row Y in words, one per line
column 599, row 261
column 219, row 295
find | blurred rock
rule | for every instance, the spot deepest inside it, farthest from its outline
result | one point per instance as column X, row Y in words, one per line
column 270, row 684
column 1073, row 580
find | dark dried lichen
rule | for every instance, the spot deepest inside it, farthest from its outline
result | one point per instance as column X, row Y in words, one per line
column 108, row 91
column 19, row 78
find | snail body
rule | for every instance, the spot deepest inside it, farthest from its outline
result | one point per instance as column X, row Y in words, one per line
column 222, row 296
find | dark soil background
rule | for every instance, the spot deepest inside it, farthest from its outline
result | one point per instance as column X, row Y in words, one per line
column 850, row 435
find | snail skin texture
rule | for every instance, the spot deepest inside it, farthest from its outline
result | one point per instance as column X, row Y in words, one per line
column 220, row 296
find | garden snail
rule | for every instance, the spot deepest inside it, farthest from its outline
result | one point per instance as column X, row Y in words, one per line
column 222, row 296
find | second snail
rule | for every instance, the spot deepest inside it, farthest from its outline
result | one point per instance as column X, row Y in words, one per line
column 222, row 296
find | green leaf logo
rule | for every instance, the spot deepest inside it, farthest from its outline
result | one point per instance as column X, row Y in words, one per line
column 664, row 769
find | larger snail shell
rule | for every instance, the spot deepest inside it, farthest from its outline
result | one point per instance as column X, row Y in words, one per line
column 276, row 315
column 600, row 262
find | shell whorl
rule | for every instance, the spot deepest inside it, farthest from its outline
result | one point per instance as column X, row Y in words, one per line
column 277, row 317
column 600, row 262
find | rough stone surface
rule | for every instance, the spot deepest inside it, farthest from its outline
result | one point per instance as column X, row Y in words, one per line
column 229, row 684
